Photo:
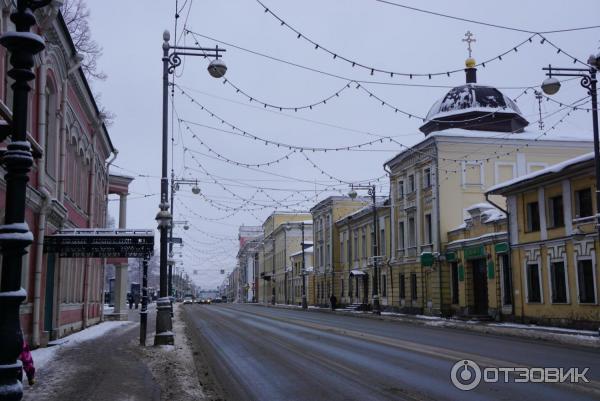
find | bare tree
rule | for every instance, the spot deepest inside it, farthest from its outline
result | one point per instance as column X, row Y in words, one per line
column 76, row 15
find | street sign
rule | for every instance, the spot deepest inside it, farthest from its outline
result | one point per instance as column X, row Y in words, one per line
column 100, row 243
column 427, row 259
column 176, row 240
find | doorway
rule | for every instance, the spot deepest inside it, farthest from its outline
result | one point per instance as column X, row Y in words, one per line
column 49, row 296
column 480, row 288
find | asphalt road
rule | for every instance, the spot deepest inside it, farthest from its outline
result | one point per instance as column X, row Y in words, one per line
column 263, row 353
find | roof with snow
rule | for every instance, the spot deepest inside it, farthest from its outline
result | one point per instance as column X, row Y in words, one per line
column 306, row 251
column 555, row 168
column 473, row 106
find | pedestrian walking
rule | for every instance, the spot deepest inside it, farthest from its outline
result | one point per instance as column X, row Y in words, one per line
column 27, row 362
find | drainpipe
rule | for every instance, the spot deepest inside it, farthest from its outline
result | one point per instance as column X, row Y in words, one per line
column 39, row 252
column 437, row 223
column 512, row 301
column 115, row 152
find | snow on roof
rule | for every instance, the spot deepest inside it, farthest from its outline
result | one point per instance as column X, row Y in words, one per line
column 501, row 138
column 307, row 250
column 555, row 168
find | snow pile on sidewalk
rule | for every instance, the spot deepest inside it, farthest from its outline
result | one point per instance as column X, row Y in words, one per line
column 173, row 366
column 42, row 356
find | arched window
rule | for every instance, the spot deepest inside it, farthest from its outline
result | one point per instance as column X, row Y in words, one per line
column 51, row 130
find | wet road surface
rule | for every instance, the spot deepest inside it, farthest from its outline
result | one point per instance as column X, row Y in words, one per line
column 264, row 353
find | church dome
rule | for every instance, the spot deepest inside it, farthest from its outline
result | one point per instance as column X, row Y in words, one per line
column 475, row 107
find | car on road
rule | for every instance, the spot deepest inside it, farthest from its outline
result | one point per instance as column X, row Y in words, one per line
column 188, row 300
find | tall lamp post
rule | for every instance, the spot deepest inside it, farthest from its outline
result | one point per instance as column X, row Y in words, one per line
column 304, row 303
column 371, row 191
column 175, row 184
column 171, row 60
column 15, row 235
column 551, row 85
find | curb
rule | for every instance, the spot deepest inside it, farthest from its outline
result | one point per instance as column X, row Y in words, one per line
column 555, row 337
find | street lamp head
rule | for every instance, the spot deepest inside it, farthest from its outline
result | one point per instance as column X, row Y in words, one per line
column 550, row 86
column 196, row 190
column 186, row 227
column 217, row 68
column 166, row 35
column 352, row 194
column 594, row 60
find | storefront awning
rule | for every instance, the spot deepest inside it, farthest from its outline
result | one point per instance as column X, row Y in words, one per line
column 357, row 273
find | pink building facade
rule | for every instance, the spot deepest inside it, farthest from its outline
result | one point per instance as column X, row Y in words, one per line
column 68, row 184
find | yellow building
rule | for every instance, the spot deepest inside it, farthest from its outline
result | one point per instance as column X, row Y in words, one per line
column 281, row 238
column 475, row 138
column 357, row 250
column 327, row 267
column 476, row 275
column 554, row 244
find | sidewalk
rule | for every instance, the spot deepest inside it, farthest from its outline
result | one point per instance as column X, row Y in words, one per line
column 105, row 362
column 558, row 335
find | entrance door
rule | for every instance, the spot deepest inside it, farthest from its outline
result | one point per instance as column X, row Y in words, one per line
column 49, row 299
column 480, row 290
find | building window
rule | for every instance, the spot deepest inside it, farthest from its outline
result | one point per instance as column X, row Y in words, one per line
column 533, row 217
column 402, row 286
column 401, row 235
column 558, row 280
column 583, row 203
column 427, row 178
column 382, row 242
column 401, row 189
column 411, row 183
column 506, row 279
column 348, row 248
column 534, row 292
column 472, row 173
column 556, row 217
column 342, row 253
column 355, row 246
column 428, row 229
column 363, row 243
column 412, row 236
column 51, row 133
column 585, row 281
column 384, row 286
column 413, row 286
column 454, row 268
column 342, row 284
column 328, row 255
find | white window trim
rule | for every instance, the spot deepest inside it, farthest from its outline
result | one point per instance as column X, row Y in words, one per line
column 464, row 165
column 497, row 166
column 401, row 190
column 526, row 286
column 549, row 262
column 593, row 259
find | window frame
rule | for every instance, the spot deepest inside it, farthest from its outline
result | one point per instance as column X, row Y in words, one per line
column 529, row 215
column 528, row 282
column 593, row 263
column 551, row 263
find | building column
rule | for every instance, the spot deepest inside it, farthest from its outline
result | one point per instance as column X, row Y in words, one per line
column 121, row 269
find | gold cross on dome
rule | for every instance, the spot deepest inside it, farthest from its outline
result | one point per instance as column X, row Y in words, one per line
column 469, row 39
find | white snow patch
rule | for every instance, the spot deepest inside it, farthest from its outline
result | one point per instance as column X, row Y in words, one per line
column 41, row 356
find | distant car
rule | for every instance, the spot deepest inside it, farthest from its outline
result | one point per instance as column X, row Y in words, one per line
column 216, row 301
column 188, row 300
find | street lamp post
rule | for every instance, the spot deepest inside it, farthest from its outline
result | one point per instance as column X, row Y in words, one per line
column 551, row 85
column 175, row 183
column 371, row 191
column 15, row 235
column 171, row 60
column 304, row 303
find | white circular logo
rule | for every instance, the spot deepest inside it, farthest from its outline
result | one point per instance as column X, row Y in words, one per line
column 465, row 375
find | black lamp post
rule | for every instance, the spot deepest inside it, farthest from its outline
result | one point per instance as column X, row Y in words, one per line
column 171, row 60
column 371, row 191
column 14, row 234
column 551, row 85
column 304, row 303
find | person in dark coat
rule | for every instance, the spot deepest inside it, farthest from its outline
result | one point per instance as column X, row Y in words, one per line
column 333, row 301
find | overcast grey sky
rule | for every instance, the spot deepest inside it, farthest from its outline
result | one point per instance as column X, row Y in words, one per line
column 370, row 32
